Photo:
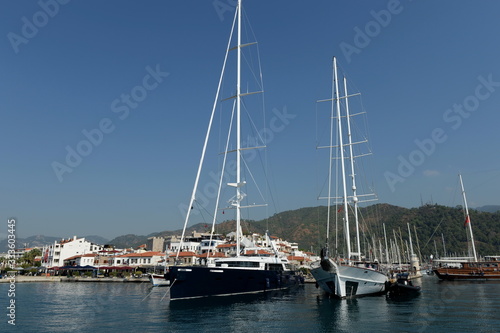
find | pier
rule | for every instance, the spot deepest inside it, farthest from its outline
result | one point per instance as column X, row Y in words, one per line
column 22, row 279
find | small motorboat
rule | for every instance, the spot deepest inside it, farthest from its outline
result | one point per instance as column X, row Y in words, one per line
column 403, row 287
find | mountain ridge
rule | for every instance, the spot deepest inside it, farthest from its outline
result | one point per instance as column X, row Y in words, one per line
column 307, row 227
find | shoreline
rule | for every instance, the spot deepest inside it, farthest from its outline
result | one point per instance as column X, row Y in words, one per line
column 22, row 278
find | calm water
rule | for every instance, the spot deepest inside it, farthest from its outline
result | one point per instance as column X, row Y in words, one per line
column 130, row 307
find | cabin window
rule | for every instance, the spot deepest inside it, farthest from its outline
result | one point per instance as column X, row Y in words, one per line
column 239, row 264
column 275, row 267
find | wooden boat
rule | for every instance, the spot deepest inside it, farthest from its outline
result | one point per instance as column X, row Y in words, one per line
column 468, row 268
column 453, row 269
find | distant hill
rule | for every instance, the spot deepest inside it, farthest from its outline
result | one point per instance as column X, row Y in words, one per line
column 129, row 240
column 96, row 239
column 41, row 240
column 307, row 227
column 32, row 241
column 489, row 208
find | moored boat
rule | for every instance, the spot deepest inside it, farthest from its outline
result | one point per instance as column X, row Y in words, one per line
column 461, row 269
column 238, row 273
column 353, row 276
column 232, row 276
column 402, row 287
column 468, row 268
column 346, row 281
column 158, row 280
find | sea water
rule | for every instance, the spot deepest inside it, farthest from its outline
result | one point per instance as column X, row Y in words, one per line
column 138, row 307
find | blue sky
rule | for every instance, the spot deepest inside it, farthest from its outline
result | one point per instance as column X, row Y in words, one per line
column 428, row 73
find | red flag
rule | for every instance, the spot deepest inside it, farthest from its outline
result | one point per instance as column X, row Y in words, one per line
column 339, row 210
column 467, row 221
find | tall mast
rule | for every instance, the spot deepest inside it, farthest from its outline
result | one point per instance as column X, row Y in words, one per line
column 444, row 245
column 386, row 247
column 467, row 218
column 353, row 175
column 342, row 162
column 238, row 135
column 205, row 144
column 411, row 244
column 329, row 196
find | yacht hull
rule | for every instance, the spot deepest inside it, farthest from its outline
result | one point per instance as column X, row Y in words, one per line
column 158, row 280
column 489, row 272
column 349, row 281
column 201, row 281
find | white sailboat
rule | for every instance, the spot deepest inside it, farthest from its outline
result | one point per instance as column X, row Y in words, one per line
column 159, row 280
column 241, row 273
column 414, row 269
column 351, row 276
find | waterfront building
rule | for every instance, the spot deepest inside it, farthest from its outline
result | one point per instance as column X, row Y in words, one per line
column 54, row 254
column 184, row 258
column 148, row 258
column 81, row 260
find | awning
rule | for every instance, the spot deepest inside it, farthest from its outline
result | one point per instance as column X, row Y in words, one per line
column 75, row 268
column 115, row 267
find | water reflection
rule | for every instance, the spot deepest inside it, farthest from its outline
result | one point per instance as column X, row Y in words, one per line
column 118, row 307
column 269, row 312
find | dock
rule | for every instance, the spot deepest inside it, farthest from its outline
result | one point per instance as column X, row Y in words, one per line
column 22, row 279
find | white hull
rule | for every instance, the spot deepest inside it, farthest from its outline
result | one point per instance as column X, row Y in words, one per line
column 349, row 281
column 158, row 280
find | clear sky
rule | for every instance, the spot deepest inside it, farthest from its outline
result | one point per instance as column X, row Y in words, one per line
column 428, row 72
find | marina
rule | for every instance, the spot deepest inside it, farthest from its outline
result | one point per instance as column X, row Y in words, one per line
column 441, row 306
column 147, row 130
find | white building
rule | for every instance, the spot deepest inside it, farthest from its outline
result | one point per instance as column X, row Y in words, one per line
column 148, row 258
column 81, row 260
column 207, row 245
column 54, row 254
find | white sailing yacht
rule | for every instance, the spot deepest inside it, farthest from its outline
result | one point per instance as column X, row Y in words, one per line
column 240, row 273
column 349, row 276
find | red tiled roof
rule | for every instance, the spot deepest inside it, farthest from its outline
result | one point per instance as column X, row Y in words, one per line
column 143, row 254
column 74, row 257
column 297, row 258
column 183, row 254
column 257, row 252
column 212, row 255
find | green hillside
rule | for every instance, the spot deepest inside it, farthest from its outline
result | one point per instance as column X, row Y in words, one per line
column 307, row 227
